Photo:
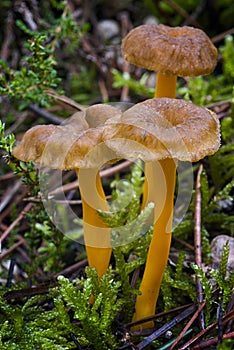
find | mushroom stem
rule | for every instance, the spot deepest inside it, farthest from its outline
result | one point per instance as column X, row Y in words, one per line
column 165, row 85
column 96, row 234
column 161, row 240
column 160, row 244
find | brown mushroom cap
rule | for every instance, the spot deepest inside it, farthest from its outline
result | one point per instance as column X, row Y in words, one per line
column 71, row 144
column 182, row 51
column 162, row 128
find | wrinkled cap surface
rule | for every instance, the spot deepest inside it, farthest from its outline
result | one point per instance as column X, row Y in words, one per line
column 70, row 145
column 182, row 51
column 162, row 128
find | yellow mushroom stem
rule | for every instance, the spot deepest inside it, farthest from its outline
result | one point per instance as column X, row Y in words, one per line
column 165, row 85
column 96, row 234
column 160, row 244
column 159, row 248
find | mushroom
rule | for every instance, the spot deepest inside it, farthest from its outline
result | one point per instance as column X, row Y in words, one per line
column 77, row 144
column 161, row 131
column 171, row 52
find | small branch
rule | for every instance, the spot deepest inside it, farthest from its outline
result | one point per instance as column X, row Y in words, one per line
column 103, row 90
column 229, row 308
column 197, row 242
column 166, row 327
column 22, row 8
column 221, row 36
column 229, row 316
column 219, row 319
column 125, row 27
column 197, row 219
column 183, row 243
column 66, row 100
column 9, row 194
column 73, row 268
column 10, row 273
column 207, row 344
column 8, row 37
column 44, row 114
column 158, row 315
column 14, row 223
column 196, row 314
column 103, row 173
column 20, row 119
column 17, row 200
column 182, row 13
column 27, row 292
column 198, row 10
column 8, row 176
column 12, row 248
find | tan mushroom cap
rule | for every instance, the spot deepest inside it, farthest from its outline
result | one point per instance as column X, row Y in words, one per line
column 162, row 128
column 70, row 145
column 182, row 51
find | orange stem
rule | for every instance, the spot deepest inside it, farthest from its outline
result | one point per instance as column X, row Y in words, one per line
column 163, row 186
column 165, row 85
column 96, row 234
column 158, row 188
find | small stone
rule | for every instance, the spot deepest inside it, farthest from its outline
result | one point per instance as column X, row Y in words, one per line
column 168, row 334
column 108, row 29
column 150, row 20
column 217, row 248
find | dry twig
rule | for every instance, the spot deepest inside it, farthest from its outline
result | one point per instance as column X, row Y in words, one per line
column 197, row 243
column 229, row 316
column 188, row 325
column 166, row 327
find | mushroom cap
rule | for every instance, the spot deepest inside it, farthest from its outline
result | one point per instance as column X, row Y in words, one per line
column 162, row 128
column 76, row 143
column 182, row 51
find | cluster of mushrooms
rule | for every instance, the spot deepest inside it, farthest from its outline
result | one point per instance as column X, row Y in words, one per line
column 161, row 131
